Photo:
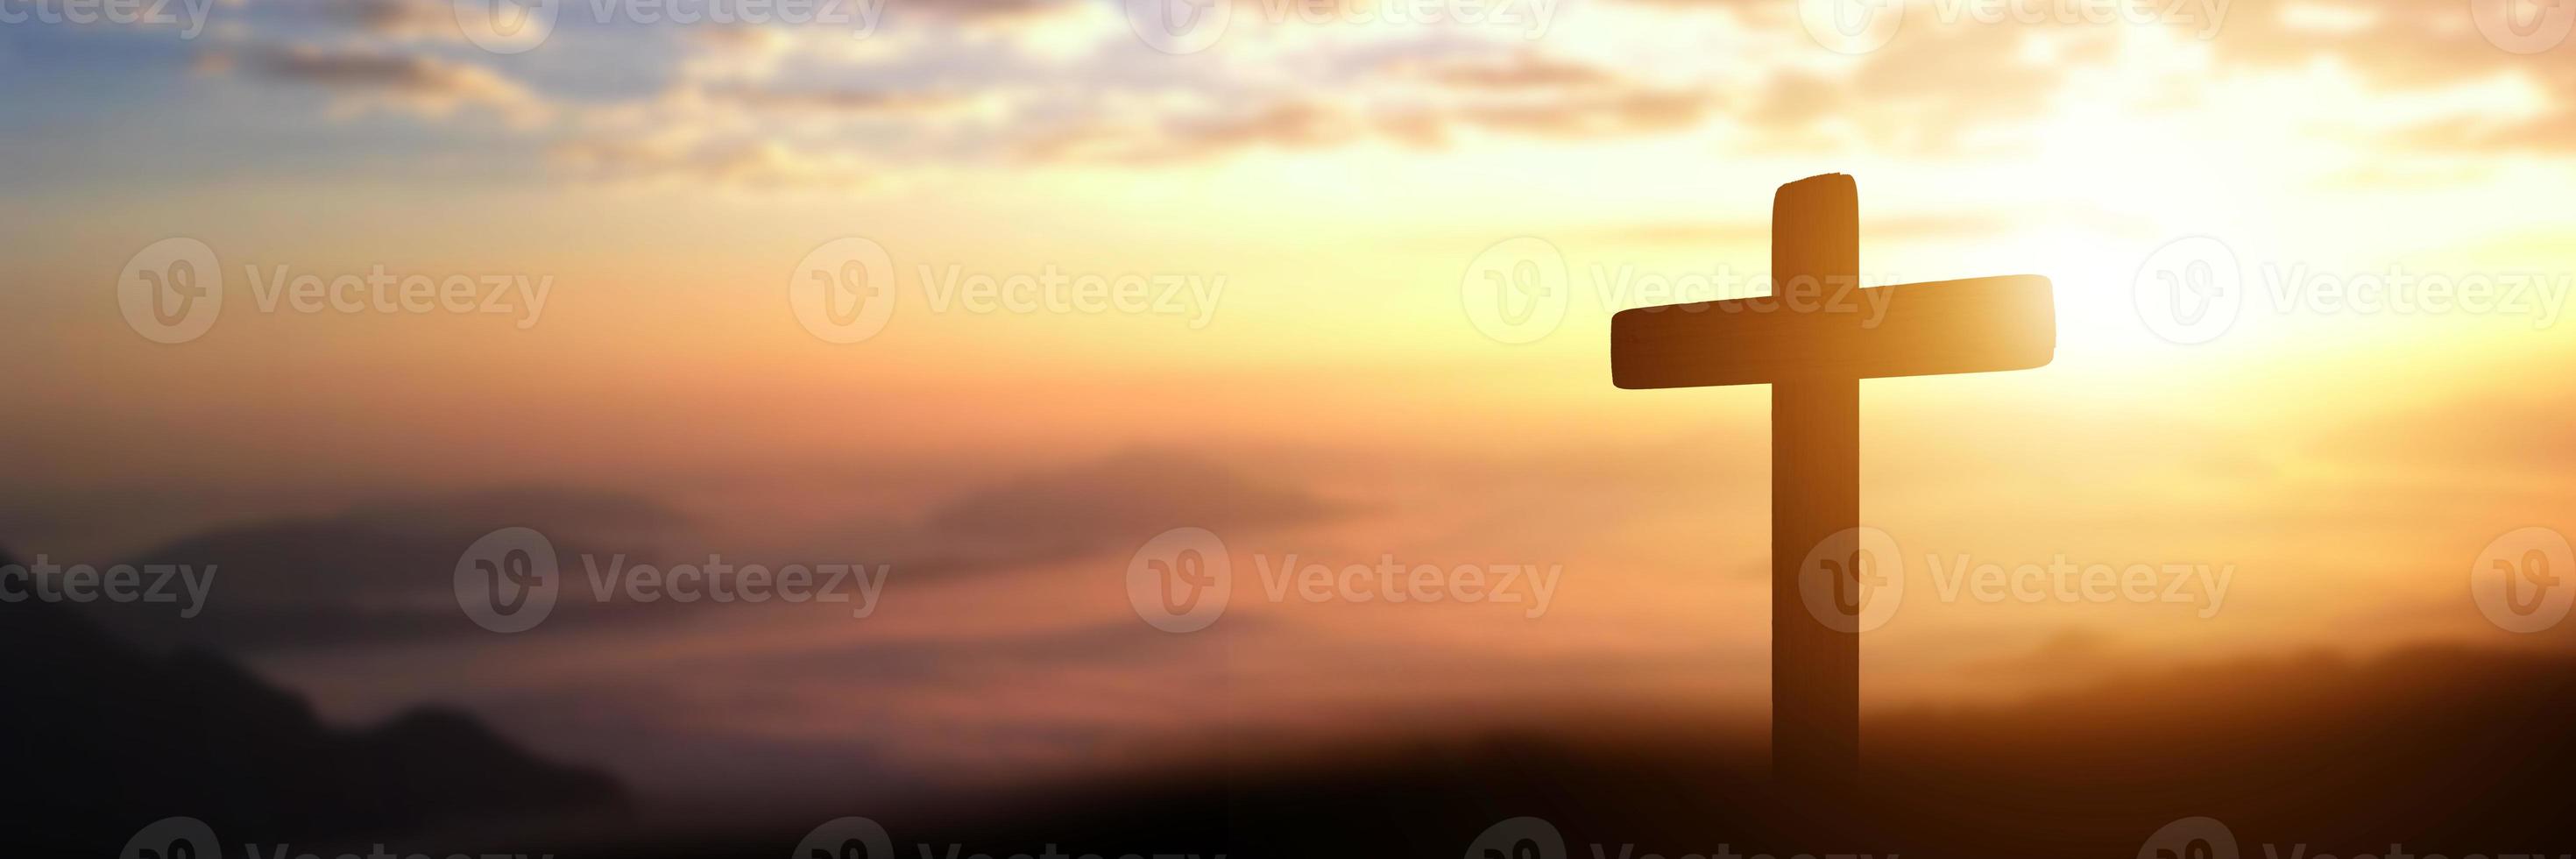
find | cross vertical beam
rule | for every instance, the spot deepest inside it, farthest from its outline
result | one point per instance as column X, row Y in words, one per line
column 1812, row 340
column 1815, row 494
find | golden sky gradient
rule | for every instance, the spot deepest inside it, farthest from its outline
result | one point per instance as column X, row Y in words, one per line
column 1342, row 182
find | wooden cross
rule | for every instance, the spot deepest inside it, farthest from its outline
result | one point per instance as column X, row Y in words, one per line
column 1813, row 339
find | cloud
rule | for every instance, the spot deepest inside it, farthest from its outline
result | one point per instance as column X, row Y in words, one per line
column 1410, row 103
column 992, row 9
column 756, row 164
column 405, row 18
column 1518, row 71
column 1122, row 499
column 836, row 100
column 414, row 83
column 1589, row 115
column 966, row 83
column 1940, row 84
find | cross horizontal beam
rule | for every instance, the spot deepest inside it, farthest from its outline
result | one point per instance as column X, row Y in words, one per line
column 1832, row 331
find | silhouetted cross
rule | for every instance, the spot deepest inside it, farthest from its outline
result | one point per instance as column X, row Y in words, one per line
column 1810, row 341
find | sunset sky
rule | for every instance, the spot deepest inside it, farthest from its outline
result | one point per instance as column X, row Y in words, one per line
column 1337, row 185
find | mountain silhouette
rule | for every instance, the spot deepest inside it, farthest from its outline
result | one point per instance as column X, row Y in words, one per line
column 106, row 737
column 384, row 572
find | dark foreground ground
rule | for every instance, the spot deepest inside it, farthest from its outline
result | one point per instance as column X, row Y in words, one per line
column 2432, row 751
column 2428, row 752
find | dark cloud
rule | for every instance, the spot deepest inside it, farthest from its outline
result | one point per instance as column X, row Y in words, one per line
column 396, row 17
column 385, row 571
column 759, row 164
column 829, row 100
column 413, row 82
